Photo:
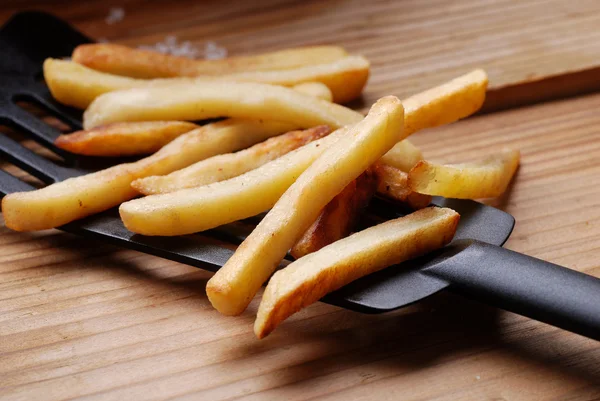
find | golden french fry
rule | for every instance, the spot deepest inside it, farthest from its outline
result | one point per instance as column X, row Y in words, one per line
column 136, row 138
column 308, row 279
column 440, row 105
column 346, row 78
column 201, row 100
column 122, row 60
column 404, row 155
column 225, row 166
column 315, row 89
column 392, row 183
column 192, row 210
column 74, row 198
column 339, row 217
column 446, row 103
column 76, row 85
column 124, row 139
column 232, row 288
column 485, row 178
column 198, row 209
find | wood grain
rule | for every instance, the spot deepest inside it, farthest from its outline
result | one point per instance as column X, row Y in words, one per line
column 82, row 320
column 411, row 43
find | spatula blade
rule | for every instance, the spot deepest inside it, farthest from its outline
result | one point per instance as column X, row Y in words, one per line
column 403, row 284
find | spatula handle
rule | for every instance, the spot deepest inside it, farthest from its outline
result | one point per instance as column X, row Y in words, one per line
column 525, row 285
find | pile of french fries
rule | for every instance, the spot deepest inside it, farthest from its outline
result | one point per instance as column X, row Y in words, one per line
column 286, row 145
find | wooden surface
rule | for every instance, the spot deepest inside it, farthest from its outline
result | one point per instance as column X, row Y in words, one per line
column 80, row 319
column 411, row 43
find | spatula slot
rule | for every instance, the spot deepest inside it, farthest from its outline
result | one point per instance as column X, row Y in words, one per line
column 40, row 94
column 41, row 112
column 37, row 130
column 8, row 168
column 35, row 164
column 26, row 140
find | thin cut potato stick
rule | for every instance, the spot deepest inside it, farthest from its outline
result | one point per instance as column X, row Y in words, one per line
column 392, row 183
column 76, row 85
column 486, row 178
column 404, row 155
column 74, row 198
column 446, row 103
column 197, row 101
column 440, row 105
column 197, row 209
column 225, row 166
column 123, row 60
column 232, row 288
column 124, row 139
column 191, row 210
column 339, row 217
column 138, row 138
column 346, row 78
column 315, row 89
column 308, row 279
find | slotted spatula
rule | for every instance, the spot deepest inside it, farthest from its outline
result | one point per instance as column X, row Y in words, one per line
column 474, row 264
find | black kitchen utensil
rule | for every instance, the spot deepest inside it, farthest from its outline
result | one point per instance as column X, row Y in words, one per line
column 474, row 264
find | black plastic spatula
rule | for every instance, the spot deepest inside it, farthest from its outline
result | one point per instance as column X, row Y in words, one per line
column 474, row 264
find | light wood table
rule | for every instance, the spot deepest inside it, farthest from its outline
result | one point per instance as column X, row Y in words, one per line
column 79, row 319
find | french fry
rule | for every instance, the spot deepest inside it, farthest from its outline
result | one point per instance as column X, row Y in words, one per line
column 315, row 89
column 192, row 210
column 225, row 166
column 486, row 178
column 392, row 183
column 308, row 279
column 124, row 139
column 339, row 217
column 197, row 209
column 346, row 78
column 75, row 198
column 235, row 284
column 76, row 85
column 439, row 105
column 207, row 99
column 123, row 60
column 446, row 103
column 404, row 155
column 138, row 138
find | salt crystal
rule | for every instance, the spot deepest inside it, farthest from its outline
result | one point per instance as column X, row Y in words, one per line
column 171, row 40
column 478, row 377
column 163, row 48
column 115, row 14
column 212, row 51
column 170, row 45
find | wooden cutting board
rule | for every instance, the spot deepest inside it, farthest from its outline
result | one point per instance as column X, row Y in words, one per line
column 83, row 320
